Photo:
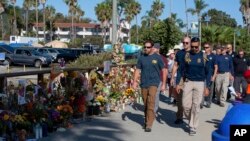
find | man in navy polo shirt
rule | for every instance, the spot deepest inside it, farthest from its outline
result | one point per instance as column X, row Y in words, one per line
column 197, row 76
column 224, row 76
column 214, row 69
column 178, row 64
column 150, row 65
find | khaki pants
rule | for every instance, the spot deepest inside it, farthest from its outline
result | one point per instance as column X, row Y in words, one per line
column 191, row 100
column 221, row 87
column 179, row 113
column 148, row 95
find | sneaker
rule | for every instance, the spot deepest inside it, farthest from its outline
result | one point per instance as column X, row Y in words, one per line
column 178, row 121
column 192, row 132
column 148, row 130
column 208, row 105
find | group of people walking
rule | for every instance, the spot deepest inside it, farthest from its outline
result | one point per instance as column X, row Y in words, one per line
column 195, row 78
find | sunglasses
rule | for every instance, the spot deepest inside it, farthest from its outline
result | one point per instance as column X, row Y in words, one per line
column 195, row 47
column 206, row 47
column 147, row 47
column 186, row 43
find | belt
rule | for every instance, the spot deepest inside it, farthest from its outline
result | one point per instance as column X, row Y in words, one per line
column 222, row 72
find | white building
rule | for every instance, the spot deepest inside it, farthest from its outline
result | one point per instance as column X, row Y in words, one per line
column 64, row 31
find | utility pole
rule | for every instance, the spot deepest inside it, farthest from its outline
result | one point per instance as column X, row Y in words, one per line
column 15, row 26
column 234, row 40
column 44, row 24
column 114, row 22
column 186, row 16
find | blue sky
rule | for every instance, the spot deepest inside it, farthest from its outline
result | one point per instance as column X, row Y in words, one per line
column 231, row 7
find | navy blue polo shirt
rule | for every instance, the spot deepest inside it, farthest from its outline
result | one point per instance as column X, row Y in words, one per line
column 150, row 66
column 212, row 58
column 225, row 64
column 179, row 58
column 196, row 69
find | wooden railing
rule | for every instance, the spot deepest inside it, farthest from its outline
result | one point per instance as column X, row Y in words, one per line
column 40, row 73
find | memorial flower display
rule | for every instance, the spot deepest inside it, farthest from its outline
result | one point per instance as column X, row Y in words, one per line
column 53, row 103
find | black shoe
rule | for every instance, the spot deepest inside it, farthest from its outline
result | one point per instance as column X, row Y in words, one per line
column 148, row 130
column 178, row 121
column 192, row 132
column 144, row 126
column 208, row 105
column 201, row 106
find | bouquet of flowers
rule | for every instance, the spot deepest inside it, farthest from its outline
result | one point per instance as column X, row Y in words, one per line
column 65, row 110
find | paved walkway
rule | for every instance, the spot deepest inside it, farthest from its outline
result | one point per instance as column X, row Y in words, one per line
column 126, row 126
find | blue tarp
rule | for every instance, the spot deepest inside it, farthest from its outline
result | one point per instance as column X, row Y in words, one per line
column 7, row 47
column 19, row 45
column 128, row 48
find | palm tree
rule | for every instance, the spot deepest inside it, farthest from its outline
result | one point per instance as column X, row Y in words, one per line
column 15, row 25
column 50, row 14
column 36, row 4
column 44, row 12
column 157, row 8
column 103, row 12
column 72, row 10
column 149, row 18
column 27, row 4
column 200, row 5
column 79, row 13
column 3, row 3
column 245, row 10
column 131, row 10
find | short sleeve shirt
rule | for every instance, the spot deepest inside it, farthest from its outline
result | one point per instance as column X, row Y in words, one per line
column 150, row 66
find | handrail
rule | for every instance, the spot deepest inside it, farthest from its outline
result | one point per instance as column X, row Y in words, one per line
column 40, row 73
column 45, row 71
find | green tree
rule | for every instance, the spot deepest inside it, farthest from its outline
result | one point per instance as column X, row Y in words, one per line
column 50, row 14
column 165, row 32
column 157, row 8
column 219, row 18
column 27, row 4
column 131, row 10
column 103, row 12
column 245, row 10
column 200, row 5
column 79, row 13
column 3, row 5
column 72, row 5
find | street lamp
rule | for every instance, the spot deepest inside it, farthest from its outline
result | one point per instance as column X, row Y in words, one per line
column 236, row 33
column 44, row 25
column 114, row 22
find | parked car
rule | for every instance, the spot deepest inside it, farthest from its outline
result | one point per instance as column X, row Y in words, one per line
column 28, row 56
column 65, row 54
column 49, row 51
